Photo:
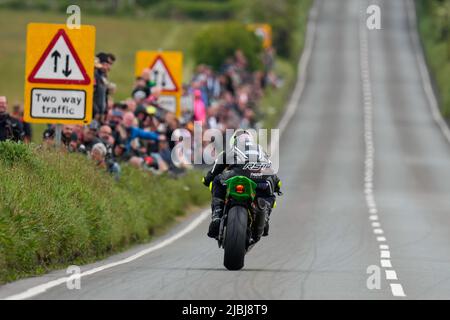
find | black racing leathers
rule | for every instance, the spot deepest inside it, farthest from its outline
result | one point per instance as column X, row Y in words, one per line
column 226, row 167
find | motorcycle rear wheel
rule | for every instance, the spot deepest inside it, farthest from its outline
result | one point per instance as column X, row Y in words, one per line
column 236, row 238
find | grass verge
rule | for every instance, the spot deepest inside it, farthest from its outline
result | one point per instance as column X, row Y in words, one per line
column 436, row 42
column 58, row 209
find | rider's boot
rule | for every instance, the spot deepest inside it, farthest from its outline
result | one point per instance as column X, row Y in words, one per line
column 217, row 205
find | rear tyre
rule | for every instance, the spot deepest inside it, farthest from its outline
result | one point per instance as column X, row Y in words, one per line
column 236, row 238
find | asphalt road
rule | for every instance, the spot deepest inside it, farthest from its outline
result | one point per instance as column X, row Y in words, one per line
column 322, row 237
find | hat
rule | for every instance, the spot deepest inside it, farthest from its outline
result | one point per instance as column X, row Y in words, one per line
column 49, row 134
column 139, row 95
column 103, row 57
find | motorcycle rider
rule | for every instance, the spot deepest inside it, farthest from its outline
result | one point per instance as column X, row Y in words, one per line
column 240, row 159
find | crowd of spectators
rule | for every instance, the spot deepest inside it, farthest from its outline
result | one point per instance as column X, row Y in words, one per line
column 139, row 130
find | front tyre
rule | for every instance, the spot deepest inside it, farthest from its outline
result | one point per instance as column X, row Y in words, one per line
column 236, row 238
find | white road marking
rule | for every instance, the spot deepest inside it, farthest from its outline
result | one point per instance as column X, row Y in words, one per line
column 287, row 116
column 391, row 275
column 386, row 263
column 46, row 286
column 375, row 224
column 369, row 161
column 397, row 290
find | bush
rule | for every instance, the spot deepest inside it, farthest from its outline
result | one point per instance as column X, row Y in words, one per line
column 434, row 29
column 220, row 41
column 285, row 17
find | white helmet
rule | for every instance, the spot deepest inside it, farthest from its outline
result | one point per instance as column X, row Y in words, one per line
column 240, row 137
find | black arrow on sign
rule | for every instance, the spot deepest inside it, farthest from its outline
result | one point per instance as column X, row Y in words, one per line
column 55, row 55
column 67, row 72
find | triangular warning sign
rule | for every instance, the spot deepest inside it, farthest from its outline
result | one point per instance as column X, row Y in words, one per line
column 161, row 75
column 59, row 64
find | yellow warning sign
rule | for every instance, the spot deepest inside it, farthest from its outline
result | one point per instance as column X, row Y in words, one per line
column 59, row 74
column 166, row 69
column 263, row 31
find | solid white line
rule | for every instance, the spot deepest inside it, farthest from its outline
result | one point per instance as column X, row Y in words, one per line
column 386, row 263
column 290, row 111
column 391, row 275
column 397, row 290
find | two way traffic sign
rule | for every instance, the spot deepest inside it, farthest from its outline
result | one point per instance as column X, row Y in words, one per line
column 166, row 71
column 59, row 74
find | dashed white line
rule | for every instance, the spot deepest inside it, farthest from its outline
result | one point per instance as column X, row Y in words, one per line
column 369, row 161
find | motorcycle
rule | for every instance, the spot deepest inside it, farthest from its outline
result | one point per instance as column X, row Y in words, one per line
column 243, row 220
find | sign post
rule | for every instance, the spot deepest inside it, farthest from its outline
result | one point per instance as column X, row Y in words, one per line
column 59, row 74
column 166, row 69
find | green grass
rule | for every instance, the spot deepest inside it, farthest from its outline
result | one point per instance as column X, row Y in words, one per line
column 57, row 209
column 437, row 49
column 121, row 36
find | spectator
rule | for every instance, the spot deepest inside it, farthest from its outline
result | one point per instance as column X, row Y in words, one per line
column 199, row 107
column 98, row 154
column 89, row 137
column 66, row 134
column 103, row 64
column 18, row 114
column 10, row 128
column 140, row 131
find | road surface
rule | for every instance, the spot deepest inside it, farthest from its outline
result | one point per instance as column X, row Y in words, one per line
column 363, row 103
